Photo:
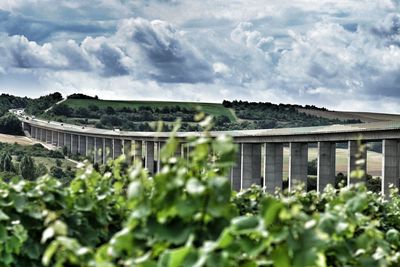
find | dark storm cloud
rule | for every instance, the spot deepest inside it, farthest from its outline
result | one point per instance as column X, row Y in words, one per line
column 42, row 30
column 389, row 29
column 164, row 49
column 109, row 56
column 143, row 49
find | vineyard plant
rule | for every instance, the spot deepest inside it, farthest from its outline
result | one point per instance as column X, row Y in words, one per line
column 187, row 215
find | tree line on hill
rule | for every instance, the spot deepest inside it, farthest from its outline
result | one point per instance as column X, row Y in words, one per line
column 18, row 161
column 9, row 123
column 251, row 115
column 265, row 115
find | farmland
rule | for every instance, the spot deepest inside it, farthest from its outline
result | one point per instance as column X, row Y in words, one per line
column 11, row 139
column 348, row 115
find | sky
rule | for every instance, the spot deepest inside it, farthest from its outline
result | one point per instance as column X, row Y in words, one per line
column 339, row 54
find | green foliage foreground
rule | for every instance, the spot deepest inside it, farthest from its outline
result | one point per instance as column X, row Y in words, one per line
column 186, row 215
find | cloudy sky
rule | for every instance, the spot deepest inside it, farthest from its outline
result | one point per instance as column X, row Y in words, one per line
column 341, row 54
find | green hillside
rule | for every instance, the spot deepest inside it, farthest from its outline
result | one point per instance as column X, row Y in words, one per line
column 209, row 108
column 140, row 115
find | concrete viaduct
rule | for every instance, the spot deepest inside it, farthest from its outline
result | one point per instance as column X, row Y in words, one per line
column 260, row 156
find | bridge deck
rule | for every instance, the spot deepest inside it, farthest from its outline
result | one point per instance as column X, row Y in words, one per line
column 389, row 129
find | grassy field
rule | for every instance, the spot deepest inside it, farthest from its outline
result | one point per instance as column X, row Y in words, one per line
column 50, row 162
column 215, row 109
column 348, row 115
column 374, row 161
column 11, row 139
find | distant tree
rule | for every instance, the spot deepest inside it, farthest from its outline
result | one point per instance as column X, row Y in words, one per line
column 80, row 96
column 58, row 163
column 65, row 150
column 227, row 104
column 220, row 120
column 27, row 168
column 57, row 96
column 82, row 112
column 6, row 162
column 312, row 167
column 93, row 107
column 10, row 124
column 110, row 110
column 56, row 172
column 340, row 180
column 266, row 124
column 62, row 110
column 41, row 170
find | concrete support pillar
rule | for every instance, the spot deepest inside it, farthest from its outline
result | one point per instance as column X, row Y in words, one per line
column 99, row 149
column 390, row 165
column 353, row 151
column 48, row 136
column 178, row 152
column 33, row 132
column 236, row 171
column 43, row 135
column 273, row 167
column 108, row 149
column 159, row 145
column 82, row 145
column 55, row 138
column 117, row 148
column 74, row 144
column 128, row 148
column 187, row 151
column 149, row 158
column 67, row 142
column 298, row 163
column 326, row 165
column 27, row 128
column 138, row 154
column 61, row 139
column 90, row 149
column 251, row 165
column 79, row 145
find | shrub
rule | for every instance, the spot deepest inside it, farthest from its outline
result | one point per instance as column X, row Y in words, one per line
column 186, row 215
column 10, row 124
